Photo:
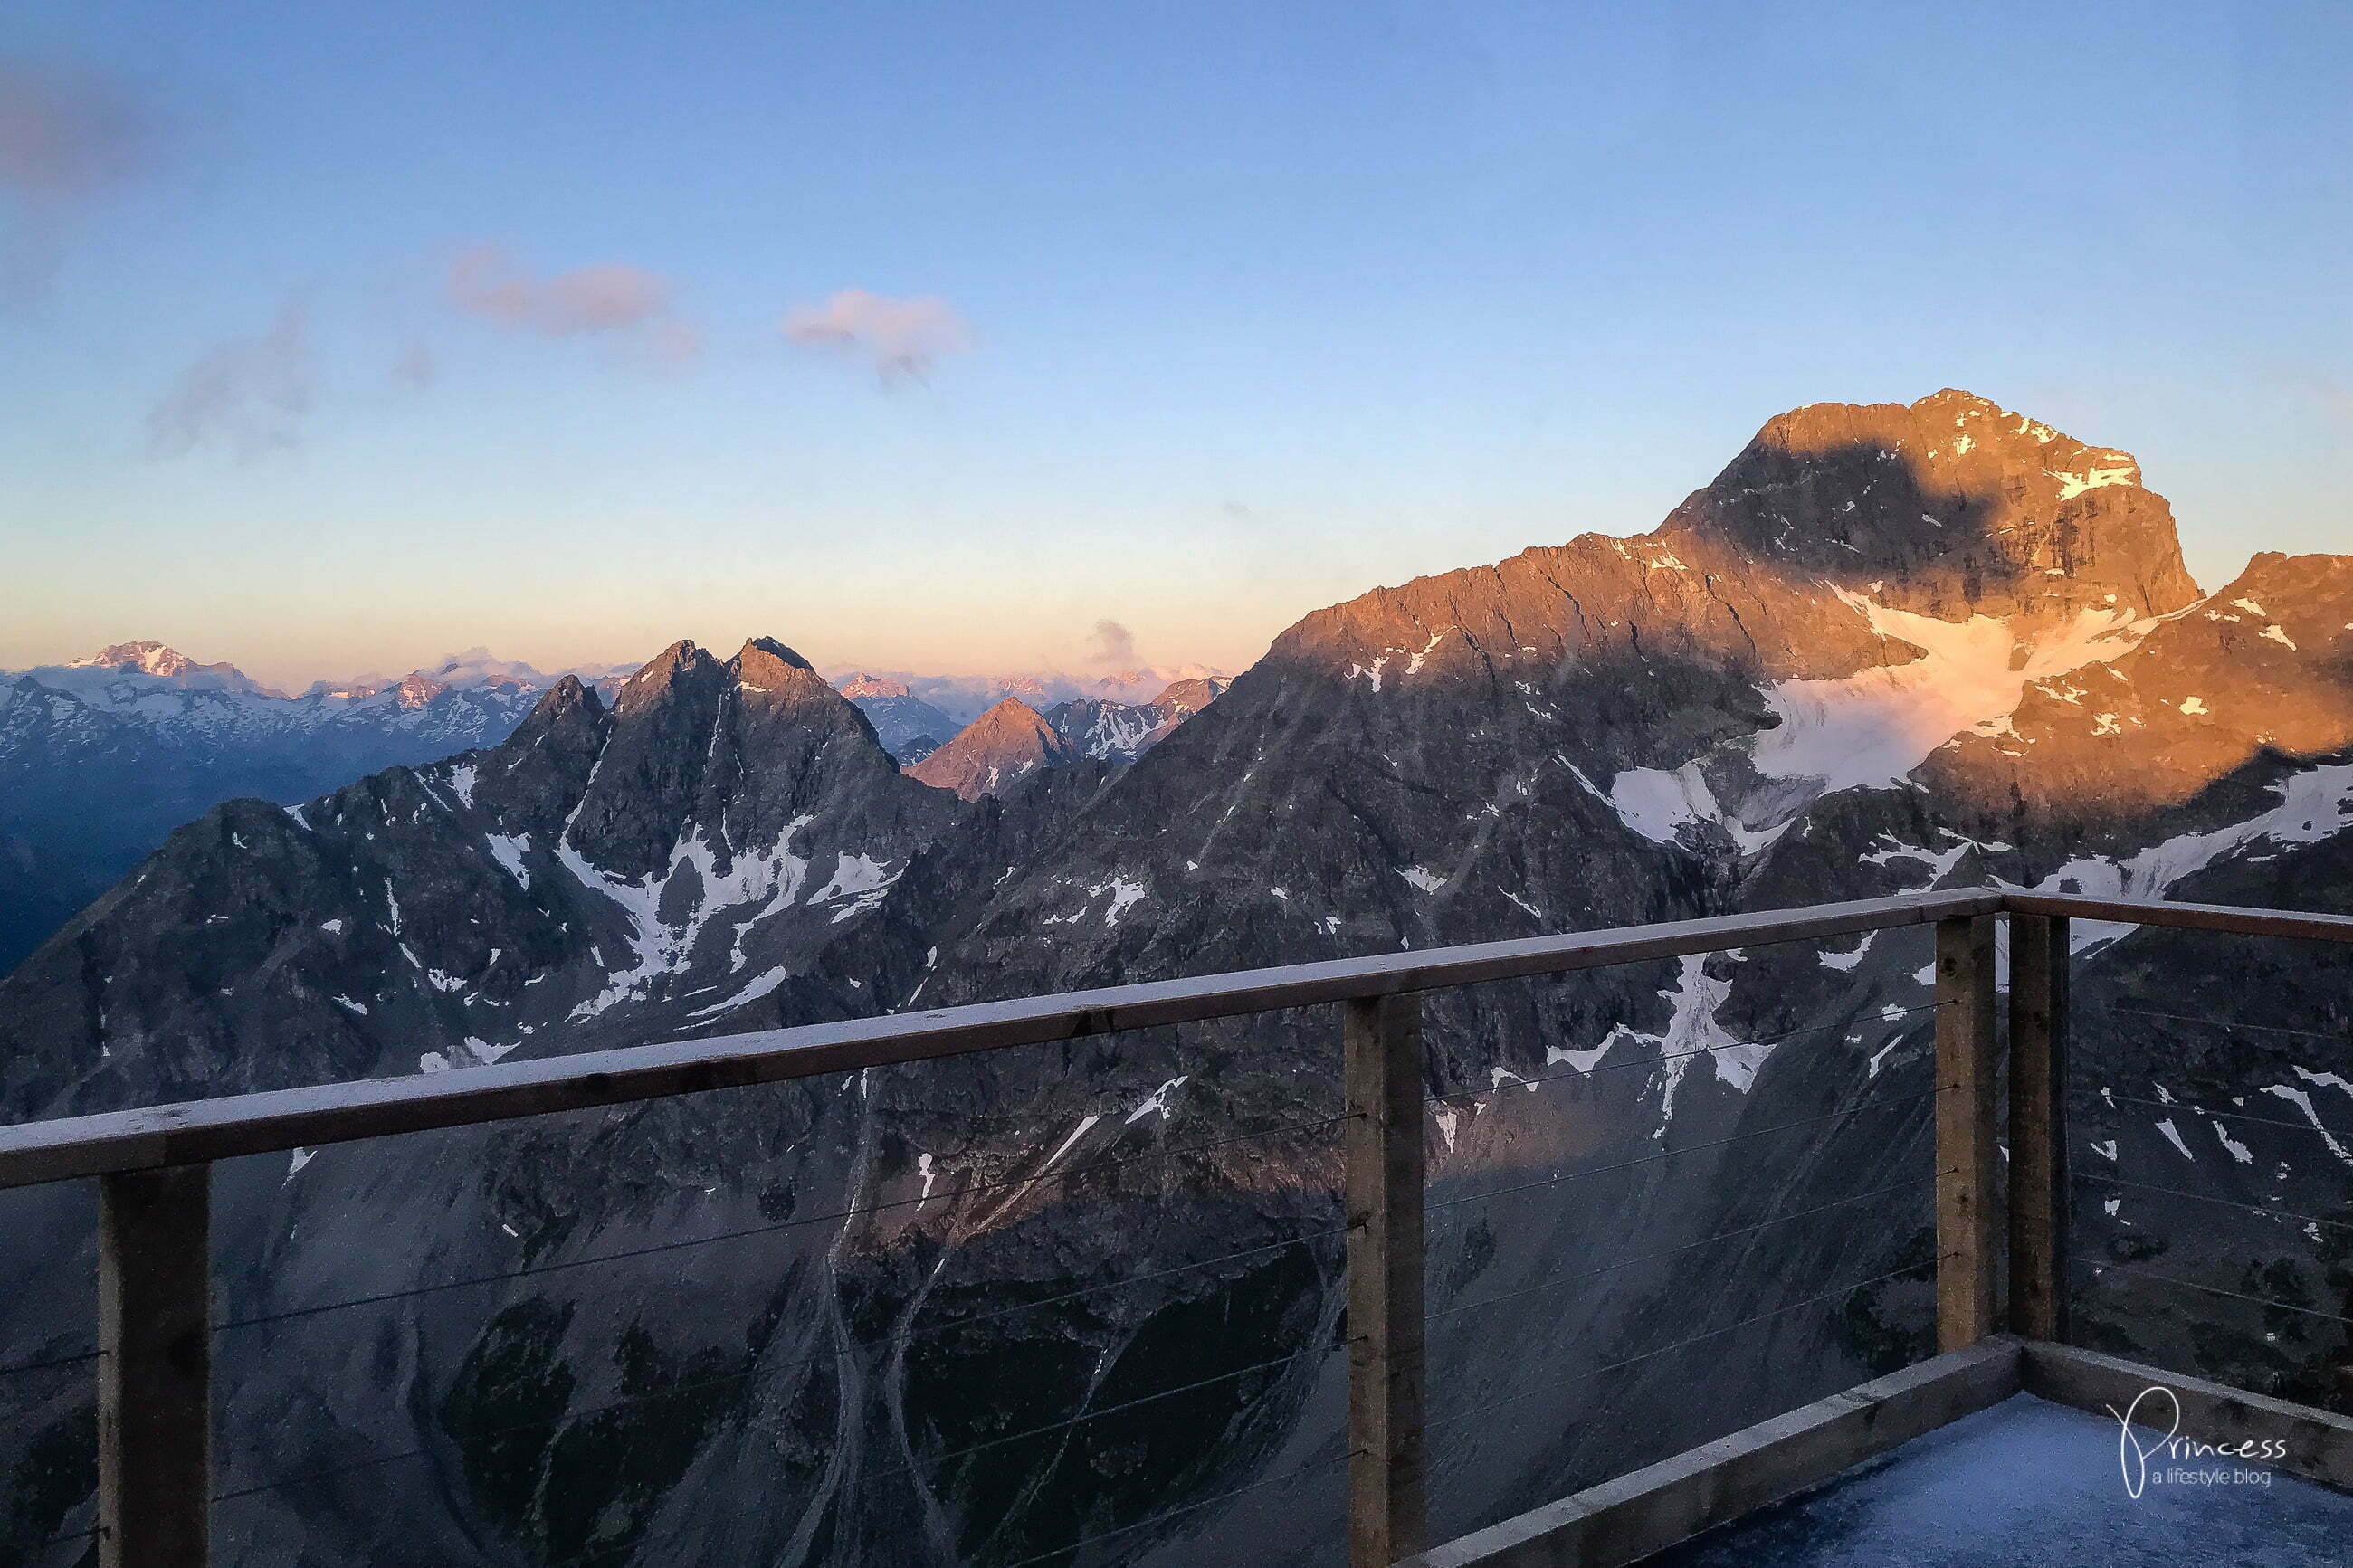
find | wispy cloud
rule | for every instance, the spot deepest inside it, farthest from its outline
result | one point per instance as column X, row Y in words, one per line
column 604, row 298
column 1111, row 643
column 68, row 136
column 904, row 339
column 250, row 394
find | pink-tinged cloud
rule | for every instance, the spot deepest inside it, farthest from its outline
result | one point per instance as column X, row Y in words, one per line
column 904, row 339
column 607, row 296
column 67, row 137
column 250, row 394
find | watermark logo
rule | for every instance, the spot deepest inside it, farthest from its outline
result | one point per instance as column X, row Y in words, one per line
column 2134, row 1453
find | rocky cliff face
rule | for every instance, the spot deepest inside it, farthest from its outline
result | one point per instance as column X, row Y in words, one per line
column 1888, row 648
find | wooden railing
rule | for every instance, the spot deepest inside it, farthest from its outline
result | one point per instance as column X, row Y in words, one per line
column 153, row 1164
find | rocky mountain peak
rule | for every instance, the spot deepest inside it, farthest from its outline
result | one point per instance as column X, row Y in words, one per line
column 770, row 648
column 765, row 664
column 681, row 664
column 771, row 675
column 1950, row 506
column 1007, row 742
column 567, row 696
column 865, row 685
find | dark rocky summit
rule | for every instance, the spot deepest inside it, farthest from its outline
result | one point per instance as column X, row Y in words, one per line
column 1889, row 648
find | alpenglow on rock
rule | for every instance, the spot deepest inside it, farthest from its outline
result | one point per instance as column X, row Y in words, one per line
column 1002, row 746
column 1889, row 648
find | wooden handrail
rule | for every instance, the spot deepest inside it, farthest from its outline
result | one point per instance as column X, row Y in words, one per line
column 274, row 1121
column 156, row 1162
column 2230, row 918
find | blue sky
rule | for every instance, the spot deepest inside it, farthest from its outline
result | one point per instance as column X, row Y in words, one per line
column 1191, row 316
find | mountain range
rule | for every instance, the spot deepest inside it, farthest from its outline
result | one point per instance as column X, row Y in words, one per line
column 104, row 756
column 1889, row 647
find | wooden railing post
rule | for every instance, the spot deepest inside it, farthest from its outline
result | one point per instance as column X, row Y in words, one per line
column 1386, row 1467
column 154, row 1369
column 2038, row 1126
column 1966, row 1237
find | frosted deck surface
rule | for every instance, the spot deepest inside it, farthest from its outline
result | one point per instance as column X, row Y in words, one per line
column 2030, row 1482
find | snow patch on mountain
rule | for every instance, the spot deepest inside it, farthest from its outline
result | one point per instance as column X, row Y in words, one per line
column 2314, row 805
column 1874, row 727
column 1871, row 729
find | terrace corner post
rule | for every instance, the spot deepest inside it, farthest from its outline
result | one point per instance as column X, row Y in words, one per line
column 1382, row 1070
column 154, row 1369
column 2038, row 1141
column 1966, row 1235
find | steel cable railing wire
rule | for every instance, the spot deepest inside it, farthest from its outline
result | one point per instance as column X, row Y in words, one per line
column 1083, row 1416
column 676, row 1390
column 916, row 1467
column 1559, row 1281
column 1529, row 1083
column 2143, row 1271
column 2195, row 1108
column 2092, row 1180
column 1592, row 1372
column 949, row 1197
column 746, row 1233
column 721, row 1380
column 1853, row 1109
column 77, row 1359
column 700, row 1385
column 2339, row 1036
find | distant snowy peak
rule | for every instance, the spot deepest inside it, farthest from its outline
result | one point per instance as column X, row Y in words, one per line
column 964, row 697
column 147, row 658
column 163, row 662
column 476, row 669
